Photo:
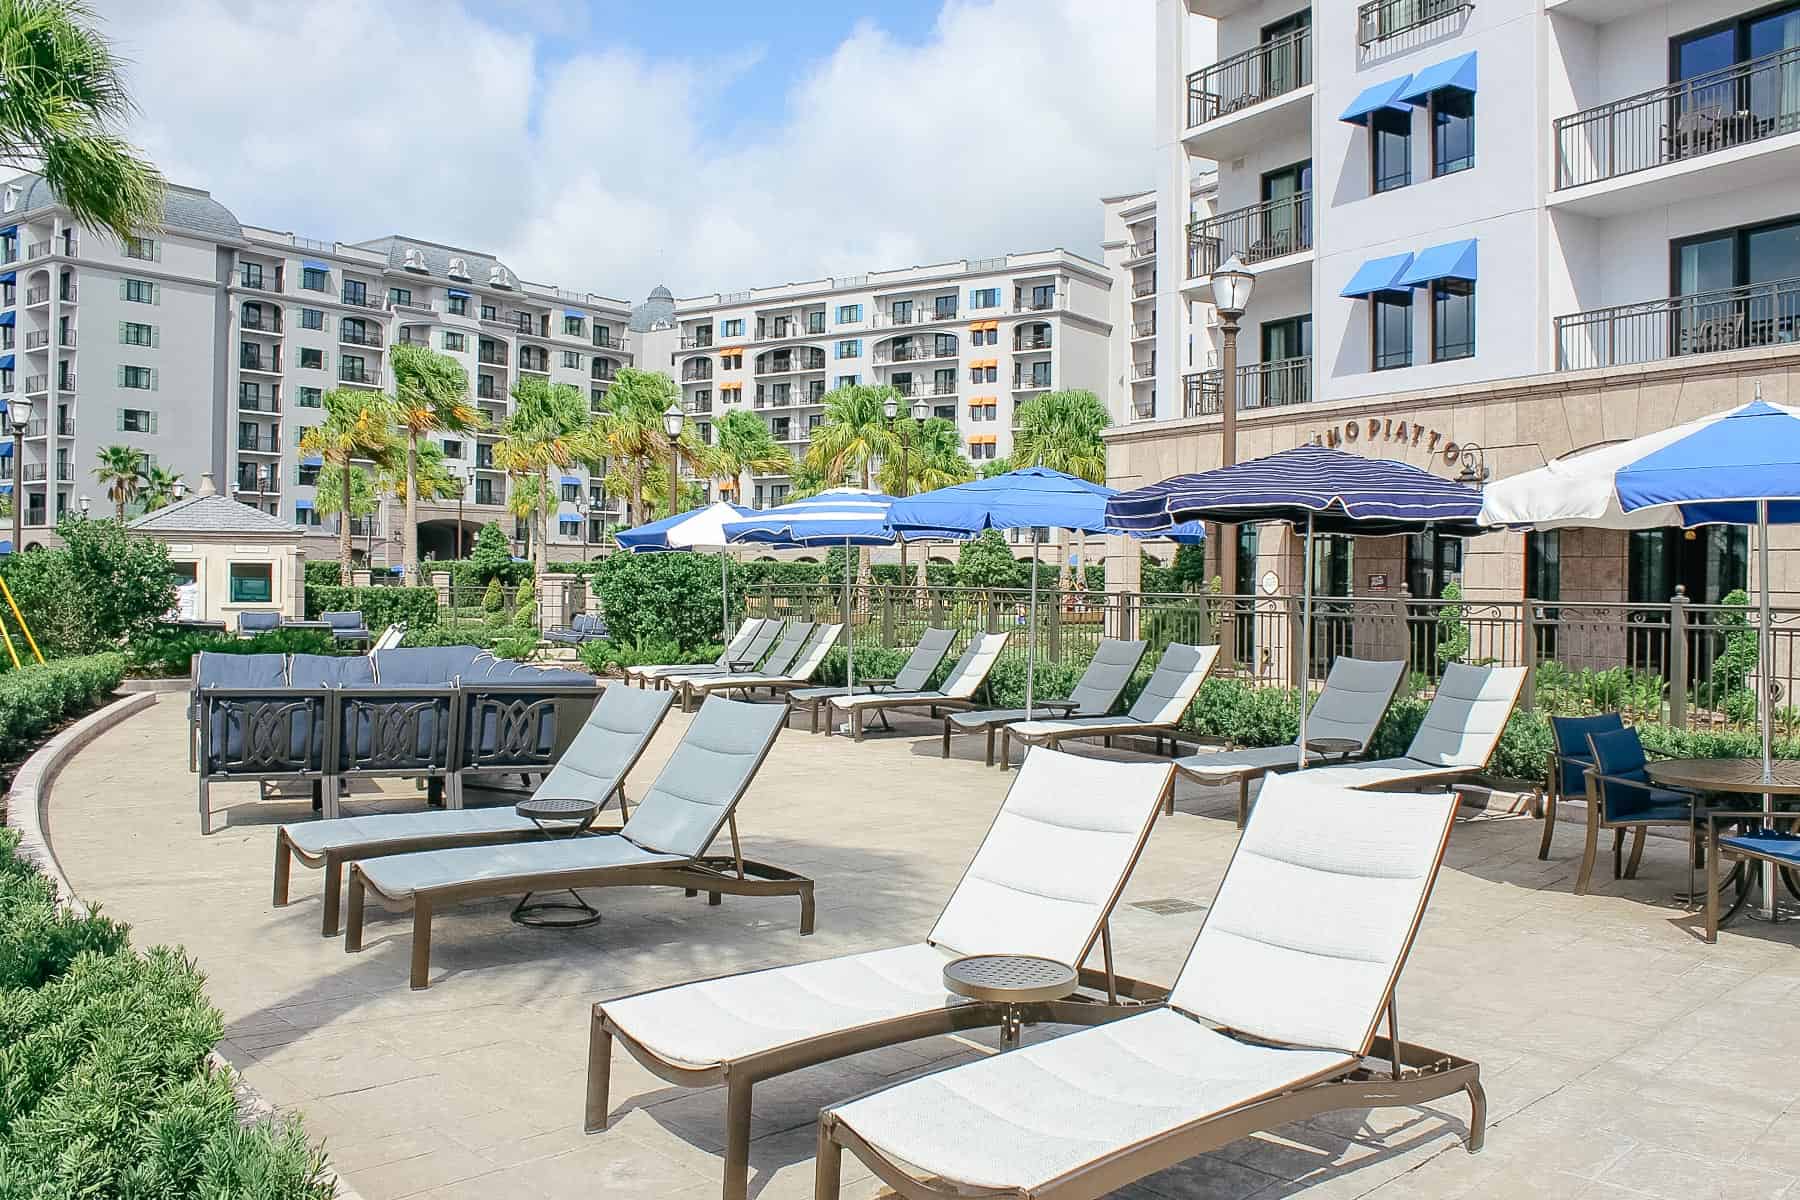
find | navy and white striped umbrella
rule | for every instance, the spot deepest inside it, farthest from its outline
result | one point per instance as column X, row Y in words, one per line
column 1339, row 492
column 838, row 517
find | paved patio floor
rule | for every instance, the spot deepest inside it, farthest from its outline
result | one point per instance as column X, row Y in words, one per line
column 1622, row 1056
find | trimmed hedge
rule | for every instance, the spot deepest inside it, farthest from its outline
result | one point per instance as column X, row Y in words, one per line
column 380, row 606
column 105, row 1088
column 34, row 698
column 323, row 573
column 166, row 653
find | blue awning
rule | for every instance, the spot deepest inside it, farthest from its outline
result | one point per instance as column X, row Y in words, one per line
column 7, row 318
column 313, row 264
column 1452, row 260
column 6, row 362
column 572, row 479
column 9, row 231
column 303, row 504
column 1378, row 275
column 576, row 313
column 458, row 292
column 1458, row 72
column 9, row 277
column 1382, row 95
column 5, row 449
column 312, row 460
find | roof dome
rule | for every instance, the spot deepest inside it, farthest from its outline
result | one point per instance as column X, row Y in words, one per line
column 656, row 312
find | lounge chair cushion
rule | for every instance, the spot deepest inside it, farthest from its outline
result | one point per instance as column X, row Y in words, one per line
column 402, row 875
column 925, row 658
column 1782, row 847
column 1020, row 1120
column 258, row 622
column 1467, row 716
column 878, row 699
column 1037, row 730
column 1171, row 688
column 1377, row 774
column 607, row 743
column 329, row 670
column 316, row 837
column 717, row 1020
column 682, row 811
column 1106, row 675
column 1574, row 757
column 242, row 670
column 1314, row 914
column 1620, row 754
column 1222, row 766
column 1356, row 696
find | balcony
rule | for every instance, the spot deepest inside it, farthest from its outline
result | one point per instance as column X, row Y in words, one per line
column 491, row 355
column 357, row 299
column 266, row 483
column 923, row 353
column 68, row 291
column 941, row 389
column 1656, row 147
column 791, row 329
column 1140, row 250
column 1031, row 304
column 489, row 388
column 409, row 338
column 696, row 341
column 257, row 319
column 1270, row 230
column 351, row 335
column 1141, row 330
column 37, row 339
column 65, row 427
column 258, row 281
column 1035, row 342
column 36, row 296
column 1380, row 20
column 268, row 364
column 605, row 340
column 1143, row 370
column 36, row 384
column 38, row 249
column 259, row 443
column 698, row 371
column 1257, row 96
column 1741, row 318
column 65, row 382
column 260, row 401
column 537, row 364
column 39, row 472
column 1143, row 289
column 1030, row 381
column 792, row 364
column 1259, row 385
column 604, row 374
column 360, row 376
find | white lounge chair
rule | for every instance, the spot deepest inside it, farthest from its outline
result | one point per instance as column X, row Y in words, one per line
column 781, row 656
column 1044, row 881
column 804, row 667
column 913, row 675
column 1457, row 737
column 1098, row 691
column 755, row 632
column 965, row 678
column 1358, row 692
column 1269, row 1022
column 1157, row 710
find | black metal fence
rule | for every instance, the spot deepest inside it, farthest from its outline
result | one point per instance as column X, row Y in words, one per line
column 1274, row 68
column 1255, row 234
column 1757, row 314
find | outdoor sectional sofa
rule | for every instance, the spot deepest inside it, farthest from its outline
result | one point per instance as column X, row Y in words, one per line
column 450, row 714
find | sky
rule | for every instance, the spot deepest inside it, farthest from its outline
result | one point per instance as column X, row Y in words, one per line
column 611, row 145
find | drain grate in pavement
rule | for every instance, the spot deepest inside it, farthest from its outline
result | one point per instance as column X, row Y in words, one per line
column 1167, row 908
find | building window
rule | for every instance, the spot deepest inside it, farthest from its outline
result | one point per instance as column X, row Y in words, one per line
column 457, row 306
column 455, row 341
column 1452, row 319
column 136, row 377
column 567, row 528
column 983, row 451
column 141, row 247
column 138, row 291
column 312, row 318
column 984, row 297
column 356, row 292
column 847, row 380
column 1390, row 149
column 133, row 333
column 452, row 448
column 137, row 420
column 252, row 583
column 312, row 358
column 574, row 326
column 489, row 313
column 571, row 358
column 313, row 279
column 1452, row 131
column 944, row 307
column 311, row 397
column 732, row 328
column 306, row 514
column 731, row 362
column 571, row 493
column 850, row 348
column 251, row 274
column 849, row 314
column 1390, row 327
column 399, row 295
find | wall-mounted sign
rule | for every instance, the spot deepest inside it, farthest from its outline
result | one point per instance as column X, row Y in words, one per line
column 1378, row 583
column 1390, row 430
column 1269, row 583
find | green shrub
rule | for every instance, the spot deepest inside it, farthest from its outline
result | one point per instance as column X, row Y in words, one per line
column 167, row 652
column 380, row 606
column 494, row 599
column 940, row 574
column 650, row 598
column 1452, row 631
column 605, row 656
column 988, row 562
column 491, row 556
column 525, row 605
column 485, row 634
column 105, row 1088
column 889, row 573
column 94, row 592
column 872, row 662
column 516, row 646
column 36, row 697
column 1093, row 577
column 323, row 573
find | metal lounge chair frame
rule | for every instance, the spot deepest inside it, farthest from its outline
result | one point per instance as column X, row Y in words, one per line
column 1410, row 1075
column 795, row 638
column 1094, row 695
column 746, row 631
column 1278, row 759
column 1104, row 996
column 965, row 679
column 754, row 650
column 1054, row 733
column 693, row 873
column 925, row 658
column 799, row 675
column 453, row 832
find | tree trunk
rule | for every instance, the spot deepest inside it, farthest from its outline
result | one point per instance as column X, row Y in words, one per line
column 409, row 546
column 636, row 504
column 345, row 544
column 543, row 520
column 1062, row 559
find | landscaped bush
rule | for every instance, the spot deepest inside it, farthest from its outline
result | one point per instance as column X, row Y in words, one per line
column 988, row 562
column 380, row 606
column 494, row 599
column 94, row 592
column 872, row 662
column 486, row 634
column 166, row 652
column 324, row 573
column 673, row 597
column 34, row 698
column 105, row 1089
column 761, row 571
column 604, row 656
column 525, row 605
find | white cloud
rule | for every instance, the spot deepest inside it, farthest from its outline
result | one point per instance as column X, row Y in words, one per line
column 607, row 170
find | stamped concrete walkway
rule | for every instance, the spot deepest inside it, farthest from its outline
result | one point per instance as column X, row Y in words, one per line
column 1622, row 1057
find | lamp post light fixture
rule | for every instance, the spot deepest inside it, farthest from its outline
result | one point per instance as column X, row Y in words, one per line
column 18, row 417
column 180, row 489
column 582, row 507
column 673, row 419
column 1475, row 470
column 87, row 503
column 1232, row 287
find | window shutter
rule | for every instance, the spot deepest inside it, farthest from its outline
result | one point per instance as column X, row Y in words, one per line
column 152, row 420
column 121, row 380
column 124, row 284
column 121, row 333
column 153, row 378
column 156, row 293
column 120, row 413
column 156, row 335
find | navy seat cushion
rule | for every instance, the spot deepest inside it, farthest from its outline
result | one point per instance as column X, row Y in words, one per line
column 1768, row 844
column 412, row 666
column 1629, row 795
column 1570, row 736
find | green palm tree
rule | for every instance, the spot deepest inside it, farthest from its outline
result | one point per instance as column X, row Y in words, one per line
column 63, row 100
column 364, row 494
column 431, row 395
column 933, row 459
column 358, row 427
column 549, row 428
column 744, row 445
column 159, row 488
column 631, row 433
column 853, row 433
column 1061, row 430
column 121, row 471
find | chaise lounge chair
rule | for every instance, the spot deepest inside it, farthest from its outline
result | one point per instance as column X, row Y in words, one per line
column 823, row 638
column 748, row 644
column 1269, row 1022
column 1044, row 881
column 664, row 843
column 912, row 677
column 1101, row 684
column 1455, row 740
column 780, row 657
column 594, row 767
column 1358, row 693
column 583, row 628
column 965, row 678
column 1157, row 710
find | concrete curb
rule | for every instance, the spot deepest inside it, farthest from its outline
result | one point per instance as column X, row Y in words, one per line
column 28, row 811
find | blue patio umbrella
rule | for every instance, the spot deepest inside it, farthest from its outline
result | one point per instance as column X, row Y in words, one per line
column 702, row 529
column 836, row 517
column 1323, row 490
column 1035, row 498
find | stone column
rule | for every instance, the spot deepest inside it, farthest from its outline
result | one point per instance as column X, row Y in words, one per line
column 359, row 578
column 440, row 583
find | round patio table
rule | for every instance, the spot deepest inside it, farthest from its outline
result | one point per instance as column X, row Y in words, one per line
column 1013, row 980
column 1735, row 776
column 554, row 816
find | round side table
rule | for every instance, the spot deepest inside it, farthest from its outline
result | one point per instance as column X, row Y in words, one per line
column 557, row 817
column 1339, row 747
column 1013, row 980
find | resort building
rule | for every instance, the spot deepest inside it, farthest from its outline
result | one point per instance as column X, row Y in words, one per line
column 968, row 341
column 1483, row 236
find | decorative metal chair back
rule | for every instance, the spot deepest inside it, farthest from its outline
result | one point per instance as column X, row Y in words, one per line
column 389, row 729
column 263, row 732
column 1572, row 756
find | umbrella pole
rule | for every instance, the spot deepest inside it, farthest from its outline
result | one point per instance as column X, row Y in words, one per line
column 1765, row 647
column 849, row 629
column 724, row 598
column 1306, row 607
column 1037, row 542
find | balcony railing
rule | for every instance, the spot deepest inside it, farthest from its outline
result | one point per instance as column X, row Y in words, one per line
column 1740, row 318
column 1143, row 329
column 38, row 472
column 1143, row 288
column 1144, row 369
column 38, row 249
column 364, row 300
column 1749, row 102
column 1031, row 304
column 259, row 282
column 696, row 372
column 491, row 357
column 37, row 339
column 260, row 443
column 537, row 364
column 65, row 382
column 1256, row 234
column 69, row 291
column 350, row 335
column 792, row 363
column 65, row 427
column 943, row 389
column 259, row 362
column 1041, row 341
column 261, row 402
column 1025, row 381
column 887, row 354
column 487, row 389
column 604, row 374
column 256, row 320
column 267, row 484
column 37, row 383
column 37, row 295
column 1259, row 73
column 1378, row 20
column 1143, row 249
column 1259, row 385
column 362, row 375
column 696, row 341
column 605, row 340
column 408, row 338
